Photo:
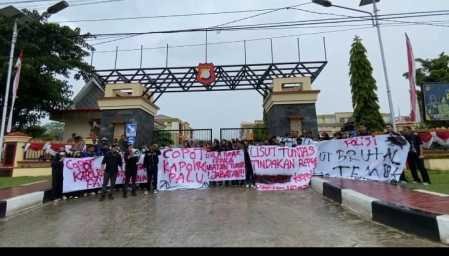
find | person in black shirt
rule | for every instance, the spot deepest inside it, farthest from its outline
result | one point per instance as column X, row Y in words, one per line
column 111, row 163
column 250, row 182
column 131, row 160
column 150, row 162
column 415, row 158
column 57, row 168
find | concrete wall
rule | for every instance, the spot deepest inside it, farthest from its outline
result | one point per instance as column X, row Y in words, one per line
column 78, row 122
column 278, row 122
column 437, row 164
column 31, row 172
column 144, row 121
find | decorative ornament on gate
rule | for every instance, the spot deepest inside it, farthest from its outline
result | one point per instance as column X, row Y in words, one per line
column 206, row 74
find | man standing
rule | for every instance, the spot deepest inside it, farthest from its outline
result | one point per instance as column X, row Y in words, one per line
column 57, row 176
column 415, row 158
column 131, row 159
column 392, row 133
column 150, row 162
column 112, row 162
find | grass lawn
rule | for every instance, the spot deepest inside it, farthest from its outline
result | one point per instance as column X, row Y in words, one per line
column 439, row 179
column 7, row 182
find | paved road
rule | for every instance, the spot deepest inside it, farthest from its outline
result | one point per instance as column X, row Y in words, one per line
column 215, row 217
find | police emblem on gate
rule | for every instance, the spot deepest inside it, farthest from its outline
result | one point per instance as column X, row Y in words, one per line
column 206, row 74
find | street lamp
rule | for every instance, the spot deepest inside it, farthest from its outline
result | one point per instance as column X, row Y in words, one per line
column 327, row 3
column 12, row 12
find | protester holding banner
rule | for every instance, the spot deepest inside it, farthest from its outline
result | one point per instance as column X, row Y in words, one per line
column 131, row 159
column 111, row 163
column 150, row 162
column 57, row 168
column 415, row 158
column 250, row 181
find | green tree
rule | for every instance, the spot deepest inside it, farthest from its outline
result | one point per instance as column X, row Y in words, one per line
column 260, row 132
column 162, row 138
column 54, row 130
column 363, row 88
column 52, row 54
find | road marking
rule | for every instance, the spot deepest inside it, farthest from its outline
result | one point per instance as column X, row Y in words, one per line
column 431, row 193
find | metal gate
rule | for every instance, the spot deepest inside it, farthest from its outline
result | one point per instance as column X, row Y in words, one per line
column 176, row 138
column 250, row 134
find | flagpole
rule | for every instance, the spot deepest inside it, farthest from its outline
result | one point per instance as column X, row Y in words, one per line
column 8, row 84
column 15, row 87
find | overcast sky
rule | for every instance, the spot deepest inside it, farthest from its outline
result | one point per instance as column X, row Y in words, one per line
column 229, row 109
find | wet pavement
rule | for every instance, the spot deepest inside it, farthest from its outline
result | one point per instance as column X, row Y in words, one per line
column 214, row 217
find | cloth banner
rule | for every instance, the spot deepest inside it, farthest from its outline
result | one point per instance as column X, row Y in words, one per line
column 182, row 168
column 226, row 165
column 298, row 163
column 362, row 158
column 194, row 168
column 86, row 173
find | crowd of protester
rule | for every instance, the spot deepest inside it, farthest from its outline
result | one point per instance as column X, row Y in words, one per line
column 119, row 153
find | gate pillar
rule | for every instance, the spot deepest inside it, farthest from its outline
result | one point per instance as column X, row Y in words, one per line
column 290, row 109
column 127, row 103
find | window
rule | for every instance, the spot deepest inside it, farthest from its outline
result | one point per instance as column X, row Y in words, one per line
column 292, row 86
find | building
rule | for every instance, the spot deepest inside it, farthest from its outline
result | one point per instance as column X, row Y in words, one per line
column 247, row 129
column 179, row 130
column 97, row 112
column 332, row 123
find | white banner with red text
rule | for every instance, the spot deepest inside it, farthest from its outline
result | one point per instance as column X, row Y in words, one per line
column 86, row 173
column 297, row 164
column 194, row 168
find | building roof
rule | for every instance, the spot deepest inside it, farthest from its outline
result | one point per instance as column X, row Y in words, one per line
column 88, row 96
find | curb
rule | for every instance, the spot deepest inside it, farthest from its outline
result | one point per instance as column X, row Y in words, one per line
column 424, row 224
column 15, row 205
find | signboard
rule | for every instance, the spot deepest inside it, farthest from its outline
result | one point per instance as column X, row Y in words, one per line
column 206, row 74
column 436, row 102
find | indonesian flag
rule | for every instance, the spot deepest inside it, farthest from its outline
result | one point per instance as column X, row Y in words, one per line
column 415, row 113
column 15, row 88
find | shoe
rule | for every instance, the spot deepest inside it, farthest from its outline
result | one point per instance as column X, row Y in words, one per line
column 64, row 198
column 145, row 193
column 93, row 194
column 125, row 195
column 248, row 186
column 403, row 182
column 111, row 197
column 134, row 193
column 75, row 197
column 426, row 184
column 102, row 198
column 414, row 182
column 253, row 187
column 155, row 191
column 85, row 195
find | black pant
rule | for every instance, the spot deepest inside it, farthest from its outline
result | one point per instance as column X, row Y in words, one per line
column 106, row 178
column 57, row 182
column 130, row 176
column 414, row 163
column 249, row 175
column 151, row 178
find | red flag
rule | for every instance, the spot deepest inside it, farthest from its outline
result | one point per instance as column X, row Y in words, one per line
column 414, row 115
column 15, row 88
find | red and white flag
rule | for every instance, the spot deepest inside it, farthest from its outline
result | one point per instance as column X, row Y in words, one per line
column 15, row 88
column 415, row 115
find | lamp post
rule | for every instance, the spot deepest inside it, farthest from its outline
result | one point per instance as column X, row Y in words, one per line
column 375, row 20
column 12, row 12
